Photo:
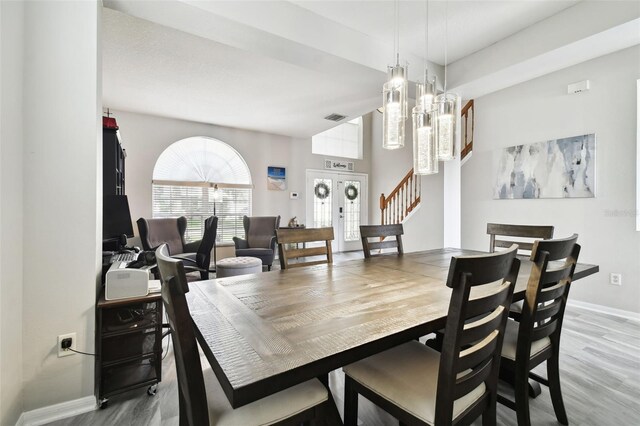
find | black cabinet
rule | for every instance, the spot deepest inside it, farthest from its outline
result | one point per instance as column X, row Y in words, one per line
column 113, row 157
column 128, row 345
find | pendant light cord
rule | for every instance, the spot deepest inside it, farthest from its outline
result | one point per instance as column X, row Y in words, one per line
column 396, row 35
column 426, row 42
column 446, row 34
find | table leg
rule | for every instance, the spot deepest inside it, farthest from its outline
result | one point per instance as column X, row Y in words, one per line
column 333, row 415
column 534, row 387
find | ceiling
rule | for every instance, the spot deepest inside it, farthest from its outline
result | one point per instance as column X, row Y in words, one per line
column 280, row 67
column 471, row 25
column 161, row 71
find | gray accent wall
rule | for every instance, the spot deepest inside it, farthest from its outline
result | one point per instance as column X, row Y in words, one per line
column 541, row 110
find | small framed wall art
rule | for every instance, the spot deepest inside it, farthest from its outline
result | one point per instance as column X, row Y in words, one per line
column 276, row 178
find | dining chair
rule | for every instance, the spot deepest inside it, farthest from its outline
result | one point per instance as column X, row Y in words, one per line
column 418, row 385
column 380, row 232
column 530, row 232
column 287, row 238
column 201, row 398
column 536, row 337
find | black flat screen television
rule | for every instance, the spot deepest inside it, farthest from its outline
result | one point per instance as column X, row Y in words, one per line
column 116, row 217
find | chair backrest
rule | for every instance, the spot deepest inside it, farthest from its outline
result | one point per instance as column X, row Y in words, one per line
column 530, row 232
column 294, row 236
column 547, row 291
column 191, row 389
column 381, row 231
column 208, row 242
column 260, row 230
column 170, row 231
column 475, row 329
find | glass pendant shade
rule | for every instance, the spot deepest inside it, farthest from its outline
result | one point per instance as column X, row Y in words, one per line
column 425, row 156
column 445, row 105
column 425, row 93
column 395, row 108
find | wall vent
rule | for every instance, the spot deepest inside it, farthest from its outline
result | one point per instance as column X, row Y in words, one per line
column 335, row 117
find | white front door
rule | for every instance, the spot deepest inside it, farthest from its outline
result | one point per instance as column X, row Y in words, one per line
column 338, row 200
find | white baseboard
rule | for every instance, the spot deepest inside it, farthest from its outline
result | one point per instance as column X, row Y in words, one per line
column 55, row 412
column 635, row 316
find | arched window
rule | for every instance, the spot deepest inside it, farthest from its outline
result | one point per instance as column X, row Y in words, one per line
column 185, row 179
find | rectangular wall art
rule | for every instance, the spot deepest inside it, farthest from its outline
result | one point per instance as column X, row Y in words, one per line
column 557, row 168
column 276, row 178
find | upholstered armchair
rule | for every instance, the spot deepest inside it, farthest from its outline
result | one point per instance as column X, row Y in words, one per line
column 155, row 232
column 260, row 238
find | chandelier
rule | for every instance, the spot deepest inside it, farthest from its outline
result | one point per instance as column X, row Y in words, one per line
column 434, row 116
column 394, row 97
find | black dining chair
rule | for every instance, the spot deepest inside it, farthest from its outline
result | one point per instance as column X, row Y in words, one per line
column 418, row 385
column 524, row 236
column 201, row 398
column 380, row 232
column 515, row 235
column 201, row 260
column 536, row 337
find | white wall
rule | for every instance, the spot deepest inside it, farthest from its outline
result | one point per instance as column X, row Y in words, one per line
column 62, row 214
column 303, row 160
column 423, row 230
column 540, row 110
column 145, row 137
column 11, row 224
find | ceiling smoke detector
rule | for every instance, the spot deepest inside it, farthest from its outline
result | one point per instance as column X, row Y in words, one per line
column 335, row 117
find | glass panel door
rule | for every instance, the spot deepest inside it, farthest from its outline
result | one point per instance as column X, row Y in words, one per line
column 338, row 200
column 352, row 197
column 322, row 196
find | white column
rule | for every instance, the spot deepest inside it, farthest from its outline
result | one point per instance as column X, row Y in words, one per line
column 452, row 193
column 62, row 200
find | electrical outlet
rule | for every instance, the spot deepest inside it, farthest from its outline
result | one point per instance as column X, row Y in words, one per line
column 615, row 279
column 66, row 352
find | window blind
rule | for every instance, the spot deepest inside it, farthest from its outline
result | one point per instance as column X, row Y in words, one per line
column 197, row 204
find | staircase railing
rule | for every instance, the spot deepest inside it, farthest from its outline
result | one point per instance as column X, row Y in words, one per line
column 401, row 201
column 467, row 131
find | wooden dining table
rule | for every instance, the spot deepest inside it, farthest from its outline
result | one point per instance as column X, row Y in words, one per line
column 263, row 333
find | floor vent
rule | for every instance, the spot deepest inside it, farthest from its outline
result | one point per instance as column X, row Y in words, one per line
column 335, row 117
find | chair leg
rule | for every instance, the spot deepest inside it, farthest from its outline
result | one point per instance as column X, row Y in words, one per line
column 521, row 387
column 489, row 415
column 350, row 403
column 553, row 376
column 268, row 267
column 182, row 413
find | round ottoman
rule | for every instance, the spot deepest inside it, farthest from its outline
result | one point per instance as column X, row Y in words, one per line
column 232, row 266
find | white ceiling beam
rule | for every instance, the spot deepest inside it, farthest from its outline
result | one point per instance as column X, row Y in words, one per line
column 582, row 32
column 291, row 34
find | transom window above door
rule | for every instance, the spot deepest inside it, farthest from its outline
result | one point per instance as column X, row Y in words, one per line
column 198, row 176
column 344, row 140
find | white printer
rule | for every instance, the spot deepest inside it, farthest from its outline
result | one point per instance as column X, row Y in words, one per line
column 122, row 282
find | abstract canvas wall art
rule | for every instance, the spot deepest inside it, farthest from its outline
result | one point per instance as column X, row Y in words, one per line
column 557, row 168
